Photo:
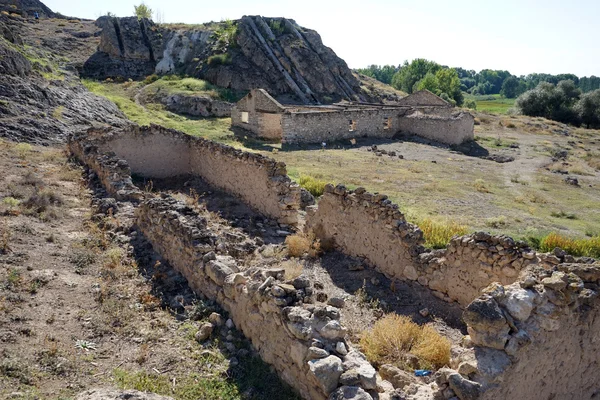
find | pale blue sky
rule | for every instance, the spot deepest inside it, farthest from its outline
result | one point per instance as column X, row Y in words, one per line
column 522, row 36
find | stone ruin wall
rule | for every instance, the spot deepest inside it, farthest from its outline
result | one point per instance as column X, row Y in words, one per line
column 532, row 329
column 157, row 152
column 534, row 339
column 264, row 115
column 443, row 125
column 370, row 226
column 329, row 126
column 299, row 339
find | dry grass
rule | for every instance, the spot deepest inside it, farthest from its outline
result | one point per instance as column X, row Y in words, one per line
column 293, row 269
column 589, row 247
column 302, row 243
column 395, row 336
column 5, row 235
column 481, row 186
column 438, row 233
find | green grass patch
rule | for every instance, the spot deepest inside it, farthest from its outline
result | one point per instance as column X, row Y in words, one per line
column 494, row 103
column 210, row 128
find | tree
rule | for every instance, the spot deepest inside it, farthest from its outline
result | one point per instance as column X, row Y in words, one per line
column 429, row 82
column 449, row 83
column 588, row 109
column 551, row 101
column 510, row 88
column 143, row 11
column 409, row 74
column 383, row 74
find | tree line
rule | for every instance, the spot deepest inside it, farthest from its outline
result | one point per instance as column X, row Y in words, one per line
column 422, row 74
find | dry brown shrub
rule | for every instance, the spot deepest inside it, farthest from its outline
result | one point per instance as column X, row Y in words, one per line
column 303, row 243
column 394, row 336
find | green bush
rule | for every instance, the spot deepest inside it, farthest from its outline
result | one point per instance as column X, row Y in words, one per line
column 472, row 104
column 151, row 79
column 219, row 59
column 314, row 185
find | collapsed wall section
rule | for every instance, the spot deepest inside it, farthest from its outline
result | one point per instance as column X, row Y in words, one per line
column 442, row 125
column 113, row 172
column 534, row 339
column 157, row 152
column 370, row 226
column 305, row 343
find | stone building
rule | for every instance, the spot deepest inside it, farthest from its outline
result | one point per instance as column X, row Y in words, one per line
column 421, row 113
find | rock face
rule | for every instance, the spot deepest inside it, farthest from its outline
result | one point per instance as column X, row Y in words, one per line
column 42, row 111
column 27, row 7
column 254, row 52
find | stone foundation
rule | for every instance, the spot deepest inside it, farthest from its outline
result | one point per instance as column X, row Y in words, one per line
column 532, row 318
column 156, row 152
column 305, row 343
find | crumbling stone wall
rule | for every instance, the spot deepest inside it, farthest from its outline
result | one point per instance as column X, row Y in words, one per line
column 370, row 226
column 157, row 152
column 367, row 225
column 113, row 173
column 305, row 343
column 331, row 125
column 534, row 339
column 444, row 125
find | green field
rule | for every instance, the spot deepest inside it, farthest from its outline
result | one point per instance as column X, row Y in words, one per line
column 493, row 103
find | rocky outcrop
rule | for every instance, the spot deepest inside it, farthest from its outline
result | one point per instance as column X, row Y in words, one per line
column 271, row 53
column 40, row 110
column 197, row 106
column 27, row 8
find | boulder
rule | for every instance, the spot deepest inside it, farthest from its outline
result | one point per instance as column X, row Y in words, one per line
column 327, row 371
column 350, row 392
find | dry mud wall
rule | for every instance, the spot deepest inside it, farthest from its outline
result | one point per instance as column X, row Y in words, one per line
column 305, row 343
column 156, row 152
column 370, row 226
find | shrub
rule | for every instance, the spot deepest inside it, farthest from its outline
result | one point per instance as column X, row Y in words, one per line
column 481, row 186
column 303, row 243
column 315, row 186
column 394, row 336
column 151, row 79
column 23, row 149
column 496, row 222
column 219, row 59
column 472, row 104
column 438, row 233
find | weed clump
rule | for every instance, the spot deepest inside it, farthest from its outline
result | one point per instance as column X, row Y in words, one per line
column 395, row 336
column 315, row 186
column 438, row 233
column 303, row 243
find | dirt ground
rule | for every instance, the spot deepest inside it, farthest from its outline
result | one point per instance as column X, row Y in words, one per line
column 85, row 302
column 529, row 195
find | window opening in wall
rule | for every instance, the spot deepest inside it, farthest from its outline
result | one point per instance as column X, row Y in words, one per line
column 352, row 126
column 244, row 117
column 387, row 123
